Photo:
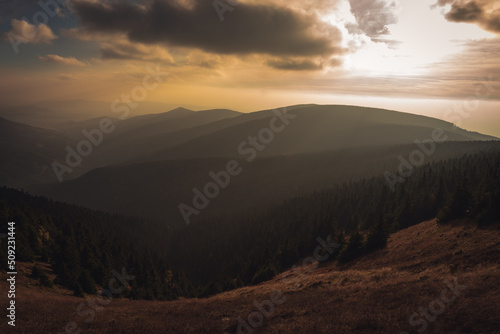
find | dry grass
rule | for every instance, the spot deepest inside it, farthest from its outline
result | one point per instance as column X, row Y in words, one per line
column 376, row 294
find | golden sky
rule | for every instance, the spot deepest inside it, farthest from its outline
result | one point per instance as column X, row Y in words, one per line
column 422, row 56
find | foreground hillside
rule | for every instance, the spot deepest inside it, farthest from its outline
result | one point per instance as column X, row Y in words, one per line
column 379, row 293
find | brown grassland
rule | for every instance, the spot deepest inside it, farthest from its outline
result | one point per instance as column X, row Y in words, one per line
column 375, row 294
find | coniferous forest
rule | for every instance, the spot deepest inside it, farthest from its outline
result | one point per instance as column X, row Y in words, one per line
column 249, row 247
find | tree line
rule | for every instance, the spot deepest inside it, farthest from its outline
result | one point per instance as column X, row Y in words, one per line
column 224, row 252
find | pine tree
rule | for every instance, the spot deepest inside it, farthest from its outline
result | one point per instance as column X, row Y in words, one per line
column 460, row 203
column 87, row 283
column 353, row 249
column 78, row 291
column 377, row 237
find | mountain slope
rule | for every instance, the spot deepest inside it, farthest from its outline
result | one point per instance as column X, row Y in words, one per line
column 279, row 172
column 26, row 153
column 34, row 116
column 263, row 182
column 146, row 134
column 377, row 294
column 319, row 128
column 183, row 133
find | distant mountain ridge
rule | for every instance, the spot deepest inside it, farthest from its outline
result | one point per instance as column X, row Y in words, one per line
column 319, row 128
column 53, row 114
column 190, row 144
column 146, row 134
column 26, row 153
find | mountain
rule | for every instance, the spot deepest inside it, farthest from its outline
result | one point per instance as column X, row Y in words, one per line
column 34, row 115
column 145, row 134
column 319, row 147
column 261, row 183
column 164, row 157
column 60, row 114
column 52, row 114
column 318, row 128
column 347, row 245
column 75, row 243
column 26, row 153
column 186, row 134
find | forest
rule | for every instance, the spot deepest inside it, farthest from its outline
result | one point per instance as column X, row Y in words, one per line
column 229, row 251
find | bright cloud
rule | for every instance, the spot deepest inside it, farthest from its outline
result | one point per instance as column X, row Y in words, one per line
column 24, row 32
column 71, row 61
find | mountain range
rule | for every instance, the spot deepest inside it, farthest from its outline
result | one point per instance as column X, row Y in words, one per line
column 164, row 157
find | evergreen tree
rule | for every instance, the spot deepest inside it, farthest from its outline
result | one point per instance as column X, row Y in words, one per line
column 460, row 204
column 377, row 237
column 87, row 283
column 353, row 249
column 78, row 291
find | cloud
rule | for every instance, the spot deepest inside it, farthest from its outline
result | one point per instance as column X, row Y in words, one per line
column 79, row 34
column 116, row 46
column 66, row 77
column 479, row 59
column 295, row 65
column 485, row 13
column 374, row 16
column 25, row 32
column 204, row 60
column 71, row 61
column 251, row 28
column 126, row 50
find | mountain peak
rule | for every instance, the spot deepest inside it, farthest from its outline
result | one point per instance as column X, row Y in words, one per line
column 179, row 111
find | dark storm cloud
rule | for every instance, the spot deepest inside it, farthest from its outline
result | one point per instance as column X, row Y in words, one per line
column 484, row 13
column 373, row 16
column 469, row 12
column 249, row 28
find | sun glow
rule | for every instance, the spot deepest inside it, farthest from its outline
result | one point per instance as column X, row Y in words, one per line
column 412, row 46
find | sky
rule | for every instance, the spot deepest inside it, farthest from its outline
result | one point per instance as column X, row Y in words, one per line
column 433, row 57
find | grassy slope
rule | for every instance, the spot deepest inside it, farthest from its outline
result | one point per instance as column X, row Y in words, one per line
column 376, row 294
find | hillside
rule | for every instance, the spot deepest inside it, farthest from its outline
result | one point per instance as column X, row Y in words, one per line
column 375, row 287
column 253, row 244
column 163, row 157
column 181, row 134
column 26, row 153
column 376, row 294
column 316, row 128
column 57, row 114
column 263, row 182
column 142, row 135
